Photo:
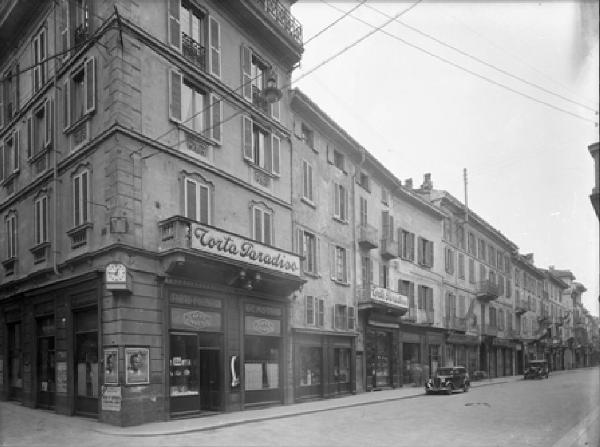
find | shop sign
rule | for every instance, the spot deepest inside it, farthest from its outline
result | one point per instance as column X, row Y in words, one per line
column 210, row 240
column 197, row 320
column 262, row 326
column 192, row 300
column 111, row 398
column 389, row 297
column 61, row 377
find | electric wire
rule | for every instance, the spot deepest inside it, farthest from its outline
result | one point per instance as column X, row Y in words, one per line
column 335, row 21
column 481, row 61
column 471, row 72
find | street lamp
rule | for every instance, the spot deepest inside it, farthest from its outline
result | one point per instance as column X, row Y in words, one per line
column 271, row 92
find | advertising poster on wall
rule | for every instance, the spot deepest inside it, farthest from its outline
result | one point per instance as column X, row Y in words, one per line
column 61, row 377
column 138, row 366
column 111, row 365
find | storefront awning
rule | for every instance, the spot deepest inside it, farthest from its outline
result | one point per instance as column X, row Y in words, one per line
column 461, row 339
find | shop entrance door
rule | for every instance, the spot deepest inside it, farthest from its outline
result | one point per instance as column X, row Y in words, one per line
column 379, row 347
column 210, row 379
column 46, row 385
column 86, row 362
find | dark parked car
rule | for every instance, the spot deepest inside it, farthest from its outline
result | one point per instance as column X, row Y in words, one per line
column 537, row 369
column 448, row 379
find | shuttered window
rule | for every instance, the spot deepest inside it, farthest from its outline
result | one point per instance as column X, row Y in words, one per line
column 307, row 181
column 197, row 201
column 41, row 220
column 215, row 47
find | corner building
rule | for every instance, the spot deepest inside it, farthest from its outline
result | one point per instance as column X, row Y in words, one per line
column 148, row 264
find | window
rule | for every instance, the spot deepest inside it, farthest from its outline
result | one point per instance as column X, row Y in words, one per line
column 79, row 93
column 387, row 226
column 366, row 271
column 472, row 279
column 307, row 181
column 308, row 136
column 517, row 278
column 492, row 317
column 9, row 155
column 482, row 272
column 425, row 298
column 344, row 317
column 255, row 76
column 407, row 245
column 384, row 196
column 492, row 276
column 407, row 288
column 501, row 319
column 384, row 276
column 481, row 249
column 460, row 236
column 262, row 228
column 449, row 260
column 507, row 265
column 492, row 256
column 450, row 305
column 471, row 244
column 39, row 54
column 197, row 201
column 9, row 95
column 461, row 266
column 340, row 195
column 308, row 248
column 260, row 148
column 11, row 236
column 500, row 260
column 315, row 310
column 81, row 198
column 194, row 107
column 364, row 181
column 339, row 264
column 41, row 220
column 462, row 311
column 40, row 128
column 335, row 157
column 447, row 227
column 363, row 211
column 425, row 252
column 500, row 285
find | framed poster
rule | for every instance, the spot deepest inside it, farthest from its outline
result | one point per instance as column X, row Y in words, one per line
column 111, row 365
column 137, row 361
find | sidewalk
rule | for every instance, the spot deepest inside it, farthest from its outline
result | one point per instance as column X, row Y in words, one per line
column 199, row 424
column 43, row 418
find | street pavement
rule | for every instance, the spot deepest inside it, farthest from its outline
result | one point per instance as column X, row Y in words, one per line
column 563, row 411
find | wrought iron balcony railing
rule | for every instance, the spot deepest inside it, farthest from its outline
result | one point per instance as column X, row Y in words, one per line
column 193, row 51
column 281, row 16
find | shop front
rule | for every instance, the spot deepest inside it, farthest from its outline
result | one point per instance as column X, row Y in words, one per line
column 381, row 310
column 463, row 350
column 227, row 304
column 503, row 351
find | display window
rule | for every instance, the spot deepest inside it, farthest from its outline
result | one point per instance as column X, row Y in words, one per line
column 184, row 371
column 15, row 371
column 341, row 365
column 412, row 371
column 86, row 361
column 310, row 366
column 378, row 346
column 46, row 382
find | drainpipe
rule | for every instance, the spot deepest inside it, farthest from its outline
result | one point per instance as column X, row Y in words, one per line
column 55, row 161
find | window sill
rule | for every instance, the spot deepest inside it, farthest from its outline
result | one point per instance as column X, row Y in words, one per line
column 339, row 220
column 199, row 135
column 40, row 252
column 13, row 175
column 73, row 126
column 9, row 265
column 308, row 202
column 312, row 275
column 39, row 155
column 341, row 283
column 79, row 235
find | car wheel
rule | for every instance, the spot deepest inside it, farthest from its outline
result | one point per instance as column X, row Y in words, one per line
column 450, row 389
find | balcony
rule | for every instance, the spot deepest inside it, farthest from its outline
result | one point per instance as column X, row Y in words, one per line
column 521, row 306
column 410, row 316
column 174, row 233
column 456, row 323
column 486, row 291
column 374, row 297
column 490, row 330
column 193, row 51
column 389, row 248
column 367, row 236
column 543, row 318
column 281, row 16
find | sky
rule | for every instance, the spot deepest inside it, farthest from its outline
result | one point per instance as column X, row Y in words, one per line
column 524, row 143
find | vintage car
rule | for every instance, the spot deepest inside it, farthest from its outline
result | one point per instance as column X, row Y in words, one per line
column 448, row 379
column 537, row 369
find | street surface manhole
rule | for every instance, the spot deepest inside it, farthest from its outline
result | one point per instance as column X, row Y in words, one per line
column 470, row 404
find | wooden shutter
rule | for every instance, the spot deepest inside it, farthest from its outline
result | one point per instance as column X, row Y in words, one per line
column 411, row 294
column 215, row 47
column 16, row 149
column 216, row 117
column 65, row 105
column 421, row 299
column 175, row 86
column 317, row 254
column 310, row 310
column 330, row 155
column 246, row 64
column 429, row 303
column 385, row 224
column 420, row 250
column 400, row 243
column 332, row 262
column 247, row 138
column 275, row 109
column 48, row 121
column 429, row 253
column 351, row 318
column 90, row 84
column 391, row 228
column 174, row 25
column 275, row 148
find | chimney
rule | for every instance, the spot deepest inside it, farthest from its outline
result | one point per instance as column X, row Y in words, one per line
column 408, row 183
column 427, row 183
